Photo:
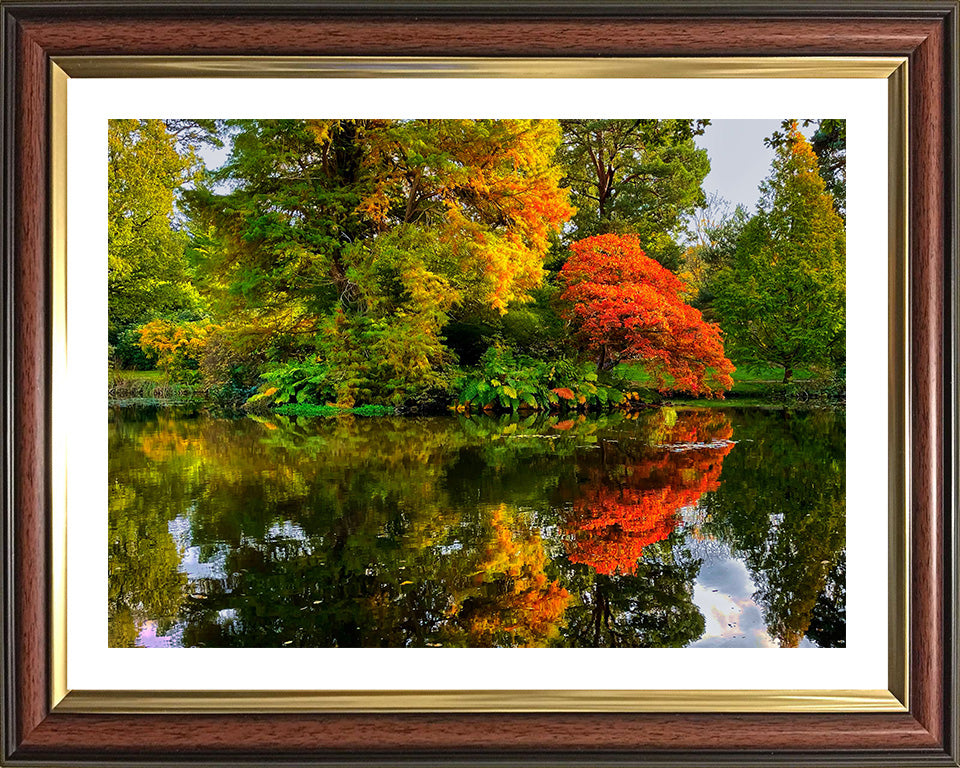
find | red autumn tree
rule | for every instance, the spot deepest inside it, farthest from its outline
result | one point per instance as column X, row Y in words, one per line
column 612, row 522
column 628, row 307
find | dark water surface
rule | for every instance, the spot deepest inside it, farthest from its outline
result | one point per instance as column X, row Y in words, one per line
column 687, row 527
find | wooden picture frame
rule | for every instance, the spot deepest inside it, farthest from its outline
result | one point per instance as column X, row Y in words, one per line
column 38, row 730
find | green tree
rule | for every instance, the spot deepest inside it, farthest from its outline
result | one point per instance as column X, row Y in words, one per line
column 715, row 230
column 782, row 298
column 634, row 177
column 147, row 271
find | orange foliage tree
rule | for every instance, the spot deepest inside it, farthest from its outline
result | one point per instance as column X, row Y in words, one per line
column 628, row 307
column 488, row 190
column 612, row 522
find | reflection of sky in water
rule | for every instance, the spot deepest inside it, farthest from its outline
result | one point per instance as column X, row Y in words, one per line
column 287, row 531
column 213, row 567
column 723, row 591
column 197, row 572
column 148, row 638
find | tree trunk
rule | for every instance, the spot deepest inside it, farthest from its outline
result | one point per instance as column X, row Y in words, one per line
column 787, row 373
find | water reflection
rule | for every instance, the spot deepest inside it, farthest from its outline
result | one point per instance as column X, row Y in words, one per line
column 788, row 525
column 631, row 497
column 456, row 531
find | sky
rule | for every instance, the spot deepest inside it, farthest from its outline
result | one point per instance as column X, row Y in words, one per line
column 739, row 160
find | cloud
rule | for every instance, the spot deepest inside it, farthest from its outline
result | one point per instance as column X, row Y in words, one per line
column 726, row 574
column 723, row 592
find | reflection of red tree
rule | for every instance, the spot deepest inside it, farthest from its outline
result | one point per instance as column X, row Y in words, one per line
column 632, row 502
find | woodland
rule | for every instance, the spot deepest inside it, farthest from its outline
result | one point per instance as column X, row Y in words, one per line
column 394, row 266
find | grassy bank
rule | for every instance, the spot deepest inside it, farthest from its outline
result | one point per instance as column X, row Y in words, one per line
column 757, row 385
column 754, row 386
column 766, row 384
column 154, row 388
column 149, row 388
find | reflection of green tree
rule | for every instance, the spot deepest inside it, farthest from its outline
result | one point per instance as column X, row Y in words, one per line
column 379, row 553
column 781, row 505
column 144, row 580
column 357, row 587
column 650, row 608
column 828, row 627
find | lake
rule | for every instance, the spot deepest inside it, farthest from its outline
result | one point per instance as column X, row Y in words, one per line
column 671, row 527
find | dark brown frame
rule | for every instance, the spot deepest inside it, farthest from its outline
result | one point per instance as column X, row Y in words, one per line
column 925, row 32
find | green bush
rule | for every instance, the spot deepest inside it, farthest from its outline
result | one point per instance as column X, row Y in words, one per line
column 536, row 328
column 510, row 382
column 126, row 353
column 363, row 361
column 297, row 382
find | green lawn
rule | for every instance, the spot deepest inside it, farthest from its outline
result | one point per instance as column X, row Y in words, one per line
column 767, row 374
column 749, row 381
column 157, row 377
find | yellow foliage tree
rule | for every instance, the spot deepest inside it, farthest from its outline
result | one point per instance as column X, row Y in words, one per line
column 178, row 347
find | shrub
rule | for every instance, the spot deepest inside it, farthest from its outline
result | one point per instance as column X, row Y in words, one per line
column 177, row 346
column 297, row 382
column 126, row 353
column 365, row 361
column 506, row 381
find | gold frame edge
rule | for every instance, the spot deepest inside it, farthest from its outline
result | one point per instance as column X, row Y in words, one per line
column 899, row 383
column 103, row 701
column 58, row 363
column 235, row 702
column 416, row 66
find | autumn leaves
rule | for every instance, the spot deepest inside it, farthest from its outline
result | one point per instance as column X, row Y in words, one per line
column 625, row 306
column 376, row 262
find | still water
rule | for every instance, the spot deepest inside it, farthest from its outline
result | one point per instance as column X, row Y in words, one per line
column 686, row 527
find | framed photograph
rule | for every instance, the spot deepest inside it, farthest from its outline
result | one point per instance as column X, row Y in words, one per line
column 516, row 384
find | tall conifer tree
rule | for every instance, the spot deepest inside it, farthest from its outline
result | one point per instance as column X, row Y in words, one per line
column 782, row 299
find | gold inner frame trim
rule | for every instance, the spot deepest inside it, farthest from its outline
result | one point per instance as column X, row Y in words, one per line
column 898, row 383
column 235, row 702
column 894, row 69
column 424, row 66
column 58, row 394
